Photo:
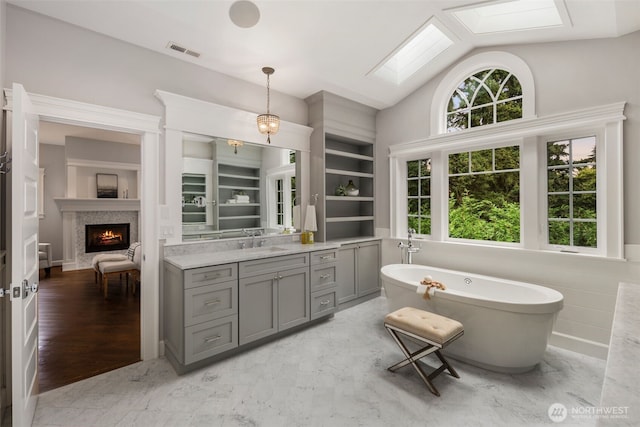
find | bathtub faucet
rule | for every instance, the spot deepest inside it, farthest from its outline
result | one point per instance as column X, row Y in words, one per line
column 408, row 247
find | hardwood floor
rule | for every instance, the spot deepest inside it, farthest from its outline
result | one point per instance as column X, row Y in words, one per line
column 81, row 333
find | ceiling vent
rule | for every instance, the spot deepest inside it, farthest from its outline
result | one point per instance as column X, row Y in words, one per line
column 178, row 48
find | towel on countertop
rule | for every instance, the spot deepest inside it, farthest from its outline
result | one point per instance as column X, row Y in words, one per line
column 310, row 223
column 428, row 286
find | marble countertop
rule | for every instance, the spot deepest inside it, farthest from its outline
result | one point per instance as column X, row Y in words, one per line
column 205, row 259
column 620, row 388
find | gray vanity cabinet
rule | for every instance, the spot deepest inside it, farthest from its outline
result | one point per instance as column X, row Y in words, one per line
column 324, row 277
column 274, row 295
column 358, row 270
column 200, row 311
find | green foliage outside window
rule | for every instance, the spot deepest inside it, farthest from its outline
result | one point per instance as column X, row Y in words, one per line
column 490, row 96
column 419, row 195
column 571, row 192
column 484, row 194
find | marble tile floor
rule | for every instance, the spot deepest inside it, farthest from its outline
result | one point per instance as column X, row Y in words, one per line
column 332, row 374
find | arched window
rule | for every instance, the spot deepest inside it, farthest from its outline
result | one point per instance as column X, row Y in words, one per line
column 466, row 92
column 490, row 96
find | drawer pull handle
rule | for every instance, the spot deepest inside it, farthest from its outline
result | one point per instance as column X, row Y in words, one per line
column 325, row 276
column 212, row 339
column 325, row 302
column 326, row 257
column 212, row 276
column 212, row 302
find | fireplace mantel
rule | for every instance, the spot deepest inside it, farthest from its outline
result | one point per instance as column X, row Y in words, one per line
column 84, row 205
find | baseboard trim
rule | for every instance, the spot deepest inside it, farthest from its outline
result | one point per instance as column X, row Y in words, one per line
column 579, row 345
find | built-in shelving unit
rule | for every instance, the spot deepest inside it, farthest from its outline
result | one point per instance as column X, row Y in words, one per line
column 193, row 186
column 342, row 150
column 236, row 180
column 348, row 160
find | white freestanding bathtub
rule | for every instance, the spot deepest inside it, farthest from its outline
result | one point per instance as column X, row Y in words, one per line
column 506, row 323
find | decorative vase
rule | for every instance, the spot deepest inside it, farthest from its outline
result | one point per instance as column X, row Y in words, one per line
column 351, row 189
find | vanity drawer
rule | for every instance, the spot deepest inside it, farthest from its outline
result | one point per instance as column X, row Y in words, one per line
column 323, row 303
column 210, row 275
column 210, row 338
column 323, row 276
column 323, row 257
column 273, row 264
column 210, row 302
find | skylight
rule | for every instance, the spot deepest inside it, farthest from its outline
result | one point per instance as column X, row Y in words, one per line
column 416, row 52
column 509, row 16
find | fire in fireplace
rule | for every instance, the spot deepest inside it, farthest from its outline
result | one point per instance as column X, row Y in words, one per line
column 106, row 237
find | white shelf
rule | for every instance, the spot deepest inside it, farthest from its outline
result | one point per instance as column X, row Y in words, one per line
column 228, row 175
column 350, row 219
column 347, row 154
column 349, row 198
column 235, row 187
column 349, row 173
column 238, row 204
column 223, row 218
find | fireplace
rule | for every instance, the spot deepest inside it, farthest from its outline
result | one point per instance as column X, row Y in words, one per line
column 106, row 237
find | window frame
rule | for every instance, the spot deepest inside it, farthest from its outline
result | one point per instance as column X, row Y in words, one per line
column 445, row 164
column 470, row 66
column 606, row 122
column 283, row 173
column 601, row 176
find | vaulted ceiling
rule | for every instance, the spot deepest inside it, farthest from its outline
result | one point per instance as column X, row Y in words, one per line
column 318, row 44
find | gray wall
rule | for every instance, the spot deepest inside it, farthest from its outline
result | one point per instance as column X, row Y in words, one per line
column 52, row 159
column 57, row 59
column 568, row 76
column 105, row 151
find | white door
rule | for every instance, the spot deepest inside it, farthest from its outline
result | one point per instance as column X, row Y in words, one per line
column 23, row 187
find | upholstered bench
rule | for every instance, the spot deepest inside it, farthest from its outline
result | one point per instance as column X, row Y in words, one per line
column 129, row 266
column 435, row 331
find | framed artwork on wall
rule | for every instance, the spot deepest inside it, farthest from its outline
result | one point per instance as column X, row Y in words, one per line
column 107, row 185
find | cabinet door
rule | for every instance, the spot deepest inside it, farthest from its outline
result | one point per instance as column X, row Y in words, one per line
column 346, row 274
column 368, row 268
column 293, row 298
column 257, row 307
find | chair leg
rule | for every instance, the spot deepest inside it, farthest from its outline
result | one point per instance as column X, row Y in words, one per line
column 445, row 363
column 105, row 284
column 412, row 358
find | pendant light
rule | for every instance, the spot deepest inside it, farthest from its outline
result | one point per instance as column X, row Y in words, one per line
column 268, row 123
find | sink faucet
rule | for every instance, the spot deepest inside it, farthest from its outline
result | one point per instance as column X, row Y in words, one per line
column 253, row 234
column 409, row 246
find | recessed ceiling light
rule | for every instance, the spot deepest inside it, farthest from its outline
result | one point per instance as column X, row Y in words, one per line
column 414, row 53
column 244, row 14
column 511, row 15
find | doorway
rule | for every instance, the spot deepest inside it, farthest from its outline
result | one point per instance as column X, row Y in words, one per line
column 108, row 337
column 58, row 110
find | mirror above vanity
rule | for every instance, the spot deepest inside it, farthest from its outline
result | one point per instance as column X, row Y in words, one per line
column 201, row 166
column 232, row 188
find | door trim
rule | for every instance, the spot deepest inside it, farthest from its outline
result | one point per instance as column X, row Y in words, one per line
column 77, row 113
